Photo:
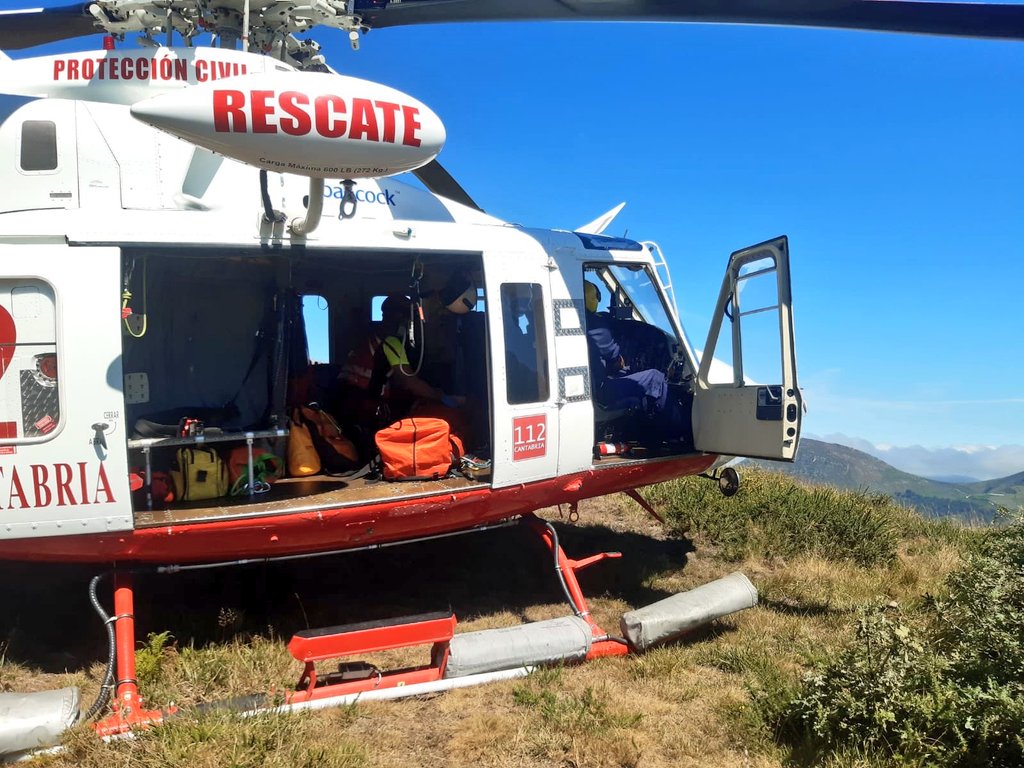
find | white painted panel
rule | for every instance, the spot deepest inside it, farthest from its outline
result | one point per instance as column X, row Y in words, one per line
column 526, row 434
column 55, row 479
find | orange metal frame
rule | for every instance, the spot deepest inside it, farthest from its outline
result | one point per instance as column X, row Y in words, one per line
column 339, row 642
column 602, row 646
column 316, row 645
column 128, row 707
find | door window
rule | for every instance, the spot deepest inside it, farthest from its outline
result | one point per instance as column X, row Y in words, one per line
column 755, row 310
column 29, row 391
column 526, row 354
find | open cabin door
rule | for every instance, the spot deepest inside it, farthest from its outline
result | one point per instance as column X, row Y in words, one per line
column 734, row 413
column 525, row 393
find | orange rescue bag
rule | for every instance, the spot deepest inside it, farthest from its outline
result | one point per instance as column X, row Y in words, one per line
column 417, row 448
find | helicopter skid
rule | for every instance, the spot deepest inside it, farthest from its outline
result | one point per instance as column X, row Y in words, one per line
column 475, row 661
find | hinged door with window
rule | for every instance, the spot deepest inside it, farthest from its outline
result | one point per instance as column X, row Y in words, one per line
column 751, row 406
column 526, row 412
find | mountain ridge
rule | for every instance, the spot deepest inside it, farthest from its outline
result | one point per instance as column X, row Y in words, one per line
column 848, row 468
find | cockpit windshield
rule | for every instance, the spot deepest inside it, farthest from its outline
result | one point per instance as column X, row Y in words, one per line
column 632, row 289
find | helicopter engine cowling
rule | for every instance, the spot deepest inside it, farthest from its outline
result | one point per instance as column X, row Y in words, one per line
column 312, row 124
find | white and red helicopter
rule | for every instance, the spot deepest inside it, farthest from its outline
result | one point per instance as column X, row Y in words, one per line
column 168, row 208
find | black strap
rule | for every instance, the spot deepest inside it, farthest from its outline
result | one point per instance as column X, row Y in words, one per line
column 257, row 353
column 262, row 346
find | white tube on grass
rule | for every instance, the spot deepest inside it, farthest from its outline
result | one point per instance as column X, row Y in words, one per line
column 669, row 618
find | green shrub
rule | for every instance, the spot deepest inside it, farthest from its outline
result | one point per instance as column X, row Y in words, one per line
column 150, row 659
column 942, row 688
column 771, row 516
column 980, row 621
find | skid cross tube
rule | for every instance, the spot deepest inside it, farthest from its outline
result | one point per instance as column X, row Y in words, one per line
column 565, row 568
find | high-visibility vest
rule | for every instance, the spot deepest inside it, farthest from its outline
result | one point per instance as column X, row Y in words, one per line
column 358, row 368
column 363, row 360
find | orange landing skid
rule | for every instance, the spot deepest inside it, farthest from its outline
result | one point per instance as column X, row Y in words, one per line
column 357, row 680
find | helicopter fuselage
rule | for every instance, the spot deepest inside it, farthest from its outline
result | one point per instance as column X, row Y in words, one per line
column 144, row 275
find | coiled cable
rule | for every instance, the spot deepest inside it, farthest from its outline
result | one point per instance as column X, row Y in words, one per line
column 108, row 677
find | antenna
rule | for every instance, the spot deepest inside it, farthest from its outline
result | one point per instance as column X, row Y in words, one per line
column 245, row 25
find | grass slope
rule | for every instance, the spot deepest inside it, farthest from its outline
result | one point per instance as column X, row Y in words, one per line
column 732, row 694
column 843, row 467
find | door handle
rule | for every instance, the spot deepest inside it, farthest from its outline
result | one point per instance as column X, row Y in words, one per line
column 100, row 437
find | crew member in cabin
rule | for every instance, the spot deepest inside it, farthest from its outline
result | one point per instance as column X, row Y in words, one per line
column 377, row 379
column 452, row 335
column 617, row 388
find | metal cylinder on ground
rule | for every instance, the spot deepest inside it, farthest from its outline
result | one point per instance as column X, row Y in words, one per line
column 543, row 642
column 29, row 721
column 673, row 616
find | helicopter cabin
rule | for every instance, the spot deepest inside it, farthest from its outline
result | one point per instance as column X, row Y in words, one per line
column 178, row 358
column 234, row 352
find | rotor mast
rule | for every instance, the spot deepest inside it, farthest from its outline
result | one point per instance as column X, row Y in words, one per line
column 257, row 26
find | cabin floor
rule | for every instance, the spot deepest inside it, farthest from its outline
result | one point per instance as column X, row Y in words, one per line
column 318, row 492
column 302, row 494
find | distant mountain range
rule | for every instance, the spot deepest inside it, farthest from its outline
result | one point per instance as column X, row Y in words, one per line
column 843, row 467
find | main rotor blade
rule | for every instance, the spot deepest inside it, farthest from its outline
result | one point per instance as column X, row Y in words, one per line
column 921, row 16
column 36, row 26
column 30, row 27
column 435, row 178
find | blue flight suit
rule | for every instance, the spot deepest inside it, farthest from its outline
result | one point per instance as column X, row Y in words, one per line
column 615, row 387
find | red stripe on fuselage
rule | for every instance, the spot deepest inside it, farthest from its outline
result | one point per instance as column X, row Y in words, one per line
column 343, row 528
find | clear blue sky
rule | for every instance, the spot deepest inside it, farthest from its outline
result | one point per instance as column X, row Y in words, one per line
column 895, row 164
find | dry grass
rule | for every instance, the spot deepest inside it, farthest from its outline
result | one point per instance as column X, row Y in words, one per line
column 687, row 704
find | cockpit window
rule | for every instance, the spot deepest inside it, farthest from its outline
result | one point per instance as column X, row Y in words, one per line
column 38, row 145
column 636, row 295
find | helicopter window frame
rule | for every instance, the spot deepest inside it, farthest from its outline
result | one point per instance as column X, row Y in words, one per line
column 38, row 150
column 27, row 299
column 527, row 381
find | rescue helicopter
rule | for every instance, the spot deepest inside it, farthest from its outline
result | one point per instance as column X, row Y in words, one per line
column 170, row 208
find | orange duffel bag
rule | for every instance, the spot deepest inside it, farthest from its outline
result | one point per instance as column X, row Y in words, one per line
column 417, row 448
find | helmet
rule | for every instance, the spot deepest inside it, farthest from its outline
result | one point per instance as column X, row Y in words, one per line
column 394, row 306
column 591, row 296
column 459, row 295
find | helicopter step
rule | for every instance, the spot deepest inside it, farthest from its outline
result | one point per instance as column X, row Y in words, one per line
column 313, row 645
column 468, row 658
